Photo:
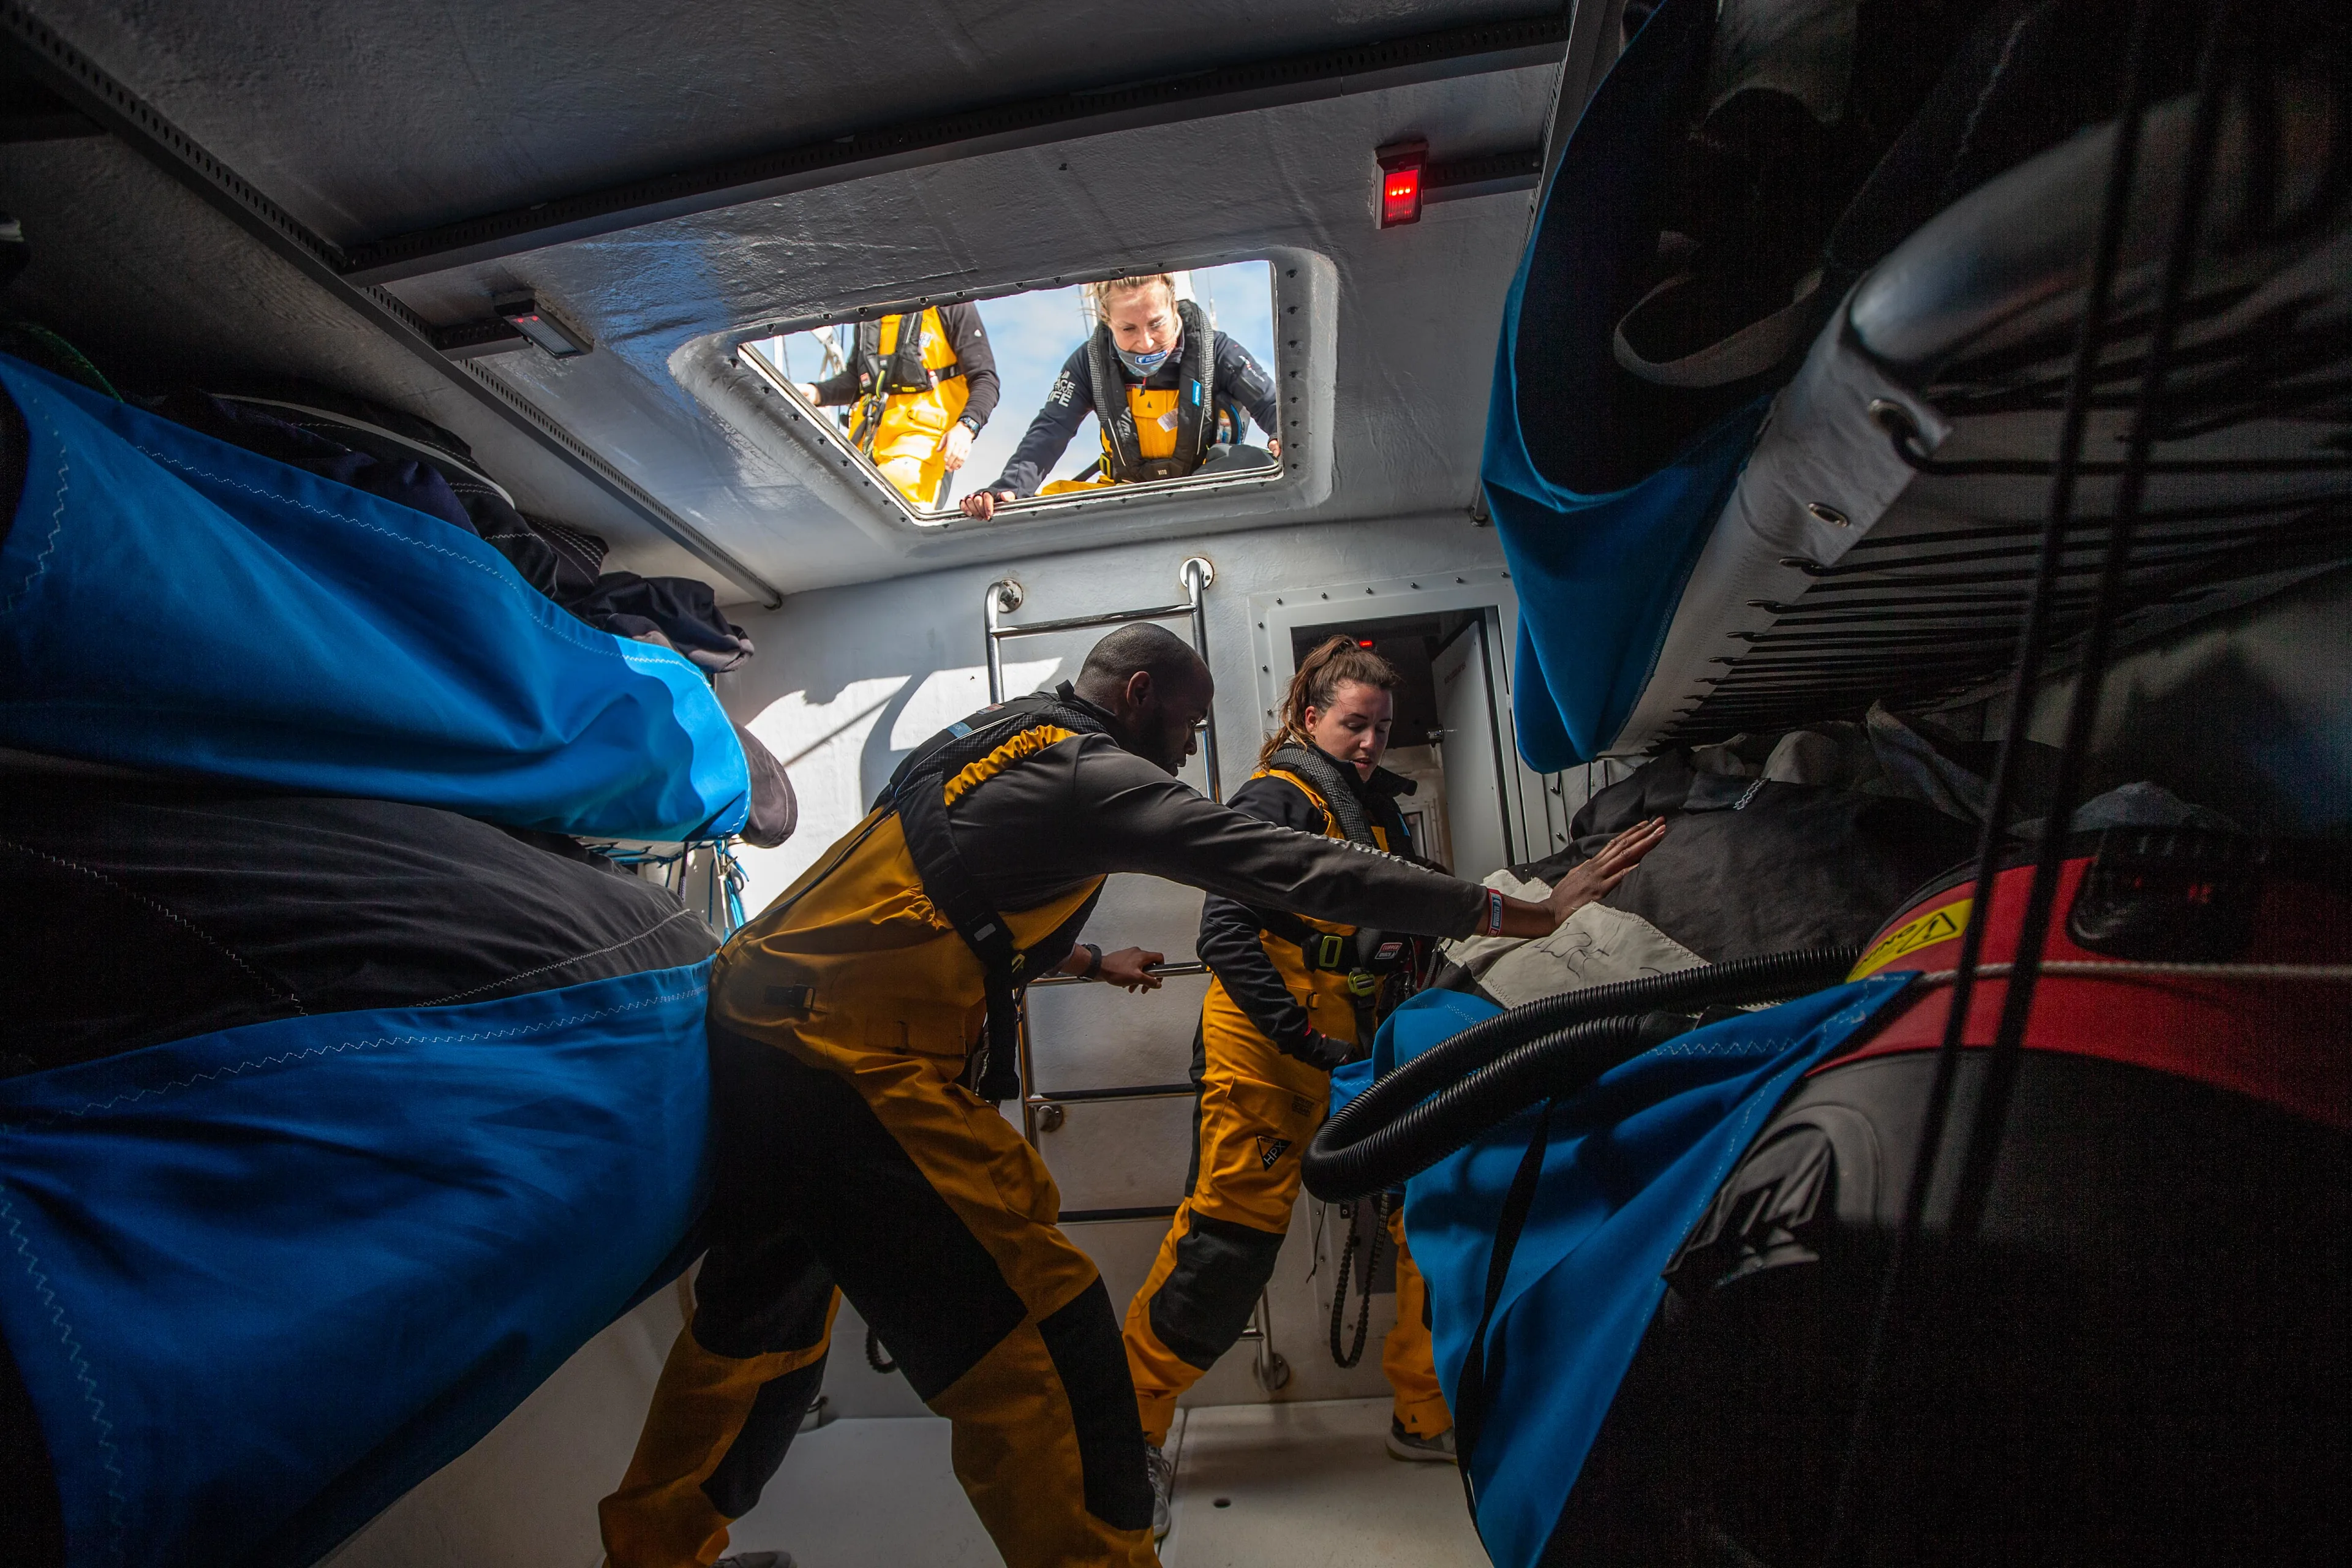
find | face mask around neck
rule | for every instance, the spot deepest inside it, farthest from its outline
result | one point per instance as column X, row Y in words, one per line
column 1144, row 364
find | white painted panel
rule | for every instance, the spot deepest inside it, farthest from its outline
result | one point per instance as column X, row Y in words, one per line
column 1123, row 1249
column 1120, row 1154
column 527, row 1492
column 1098, row 1036
column 1147, row 911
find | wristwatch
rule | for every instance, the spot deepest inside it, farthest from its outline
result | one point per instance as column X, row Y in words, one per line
column 1094, row 962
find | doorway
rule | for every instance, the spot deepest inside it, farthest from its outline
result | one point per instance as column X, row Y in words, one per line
column 1445, row 739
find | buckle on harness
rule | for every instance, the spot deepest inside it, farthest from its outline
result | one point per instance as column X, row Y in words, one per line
column 1362, row 982
column 1329, row 951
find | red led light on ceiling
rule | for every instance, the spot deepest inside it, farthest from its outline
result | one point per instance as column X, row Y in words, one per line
column 1400, row 164
column 1364, row 642
column 1401, row 197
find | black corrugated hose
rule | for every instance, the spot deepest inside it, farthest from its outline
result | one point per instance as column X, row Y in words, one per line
column 1447, row 1095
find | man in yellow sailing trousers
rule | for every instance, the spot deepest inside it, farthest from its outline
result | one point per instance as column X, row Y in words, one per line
column 860, row 1028
column 1173, row 397
column 920, row 387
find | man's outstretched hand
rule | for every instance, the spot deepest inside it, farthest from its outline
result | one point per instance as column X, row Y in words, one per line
column 1131, row 967
column 982, row 504
column 1590, row 882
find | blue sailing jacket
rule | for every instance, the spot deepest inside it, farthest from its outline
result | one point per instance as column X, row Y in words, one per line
column 260, row 1282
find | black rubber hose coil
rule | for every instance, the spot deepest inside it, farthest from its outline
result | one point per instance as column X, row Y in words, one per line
column 1450, row 1094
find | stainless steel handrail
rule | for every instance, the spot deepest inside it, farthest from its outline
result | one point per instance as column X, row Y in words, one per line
column 1165, row 970
column 1197, row 574
column 1033, row 1104
column 1002, row 598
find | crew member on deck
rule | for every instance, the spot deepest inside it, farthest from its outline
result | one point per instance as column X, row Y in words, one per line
column 1173, row 397
column 859, row 1028
column 919, row 388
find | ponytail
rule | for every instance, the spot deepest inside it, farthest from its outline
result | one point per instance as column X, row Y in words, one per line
column 1334, row 663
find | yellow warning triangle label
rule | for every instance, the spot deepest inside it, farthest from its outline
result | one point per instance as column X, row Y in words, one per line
column 1936, row 925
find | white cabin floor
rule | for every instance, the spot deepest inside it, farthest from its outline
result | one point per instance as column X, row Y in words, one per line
column 1308, row 1485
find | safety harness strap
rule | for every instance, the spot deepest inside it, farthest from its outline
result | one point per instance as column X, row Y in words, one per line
column 948, row 882
column 1123, row 457
column 905, row 372
column 907, row 364
column 918, row 793
column 1368, row 953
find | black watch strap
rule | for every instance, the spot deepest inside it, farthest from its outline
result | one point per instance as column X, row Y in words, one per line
column 1094, row 962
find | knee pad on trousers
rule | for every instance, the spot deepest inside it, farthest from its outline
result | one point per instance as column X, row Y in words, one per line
column 759, row 1449
column 1201, row 1309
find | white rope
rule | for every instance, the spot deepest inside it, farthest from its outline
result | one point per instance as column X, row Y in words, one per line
column 2336, row 973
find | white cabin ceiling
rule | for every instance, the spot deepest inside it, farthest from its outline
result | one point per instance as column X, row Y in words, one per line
column 366, row 120
column 364, row 125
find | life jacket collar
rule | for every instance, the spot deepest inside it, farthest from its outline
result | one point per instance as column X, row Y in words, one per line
column 1341, row 787
column 1123, row 460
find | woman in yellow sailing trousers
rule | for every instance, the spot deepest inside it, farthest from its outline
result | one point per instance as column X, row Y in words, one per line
column 1292, row 998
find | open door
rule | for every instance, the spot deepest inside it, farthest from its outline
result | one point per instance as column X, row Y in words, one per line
column 1472, row 754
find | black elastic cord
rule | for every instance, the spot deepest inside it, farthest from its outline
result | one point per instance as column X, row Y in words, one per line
column 2033, row 649
column 1475, row 1391
column 1989, row 1116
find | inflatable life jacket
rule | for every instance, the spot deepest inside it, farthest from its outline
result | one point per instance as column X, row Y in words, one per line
column 1348, row 964
column 2146, row 1355
column 856, row 943
column 1159, row 433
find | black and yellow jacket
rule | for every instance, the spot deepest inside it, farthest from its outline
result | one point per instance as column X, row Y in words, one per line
column 1240, row 388
column 1235, row 937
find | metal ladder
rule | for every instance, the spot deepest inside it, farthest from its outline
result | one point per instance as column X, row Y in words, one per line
column 1045, row 1112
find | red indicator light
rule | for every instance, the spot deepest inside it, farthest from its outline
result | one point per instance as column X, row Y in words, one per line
column 1400, row 164
column 1364, row 642
column 1401, row 198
